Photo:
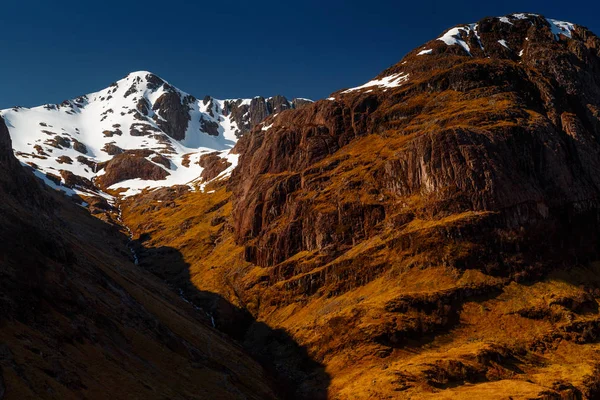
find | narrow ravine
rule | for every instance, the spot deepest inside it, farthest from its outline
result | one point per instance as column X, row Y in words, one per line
column 208, row 314
column 130, row 245
column 136, row 261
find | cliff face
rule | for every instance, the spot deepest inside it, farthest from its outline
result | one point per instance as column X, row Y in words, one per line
column 6, row 153
column 13, row 180
column 248, row 114
column 510, row 128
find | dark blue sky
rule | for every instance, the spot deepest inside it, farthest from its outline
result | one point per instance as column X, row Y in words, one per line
column 54, row 50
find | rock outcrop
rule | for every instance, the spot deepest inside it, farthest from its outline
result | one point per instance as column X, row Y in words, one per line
column 174, row 113
column 247, row 114
column 212, row 165
column 7, row 157
column 133, row 164
column 13, row 180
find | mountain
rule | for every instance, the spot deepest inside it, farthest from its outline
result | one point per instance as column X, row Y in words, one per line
column 140, row 132
column 432, row 233
column 79, row 320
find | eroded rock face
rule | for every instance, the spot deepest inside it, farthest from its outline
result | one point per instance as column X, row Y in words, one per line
column 435, row 224
column 210, row 127
column 248, row 115
column 299, row 103
column 475, row 133
column 213, row 165
column 75, row 181
column 80, row 147
column 112, row 149
column 154, row 82
column 86, row 161
column 174, row 112
column 277, row 104
column 6, row 152
column 132, row 164
column 13, row 180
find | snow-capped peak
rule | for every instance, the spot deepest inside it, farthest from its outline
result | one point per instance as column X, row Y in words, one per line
column 141, row 115
column 458, row 35
column 139, row 74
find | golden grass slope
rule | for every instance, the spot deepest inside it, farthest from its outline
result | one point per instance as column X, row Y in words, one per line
column 398, row 330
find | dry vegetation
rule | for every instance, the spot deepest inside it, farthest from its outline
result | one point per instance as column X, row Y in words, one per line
column 394, row 323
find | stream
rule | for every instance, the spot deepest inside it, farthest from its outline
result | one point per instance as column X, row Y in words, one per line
column 131, row 247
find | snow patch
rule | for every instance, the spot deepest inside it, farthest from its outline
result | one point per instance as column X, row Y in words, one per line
column 390, row 81
column 561, row 27
column 503, row 43
column 426, row 51
column 454, row 37
column 523, row 15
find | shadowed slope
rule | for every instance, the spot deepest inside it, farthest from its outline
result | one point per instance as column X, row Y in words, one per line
column 175, row 230
column 79, row 320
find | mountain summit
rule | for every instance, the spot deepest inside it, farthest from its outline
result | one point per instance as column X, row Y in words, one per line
column 140, row 132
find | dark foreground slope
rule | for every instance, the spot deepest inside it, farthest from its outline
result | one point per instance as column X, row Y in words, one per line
column 431, row 234
column 79, row 321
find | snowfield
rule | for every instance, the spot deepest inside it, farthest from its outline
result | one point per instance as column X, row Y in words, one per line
column 131, row 114
column 390, row 81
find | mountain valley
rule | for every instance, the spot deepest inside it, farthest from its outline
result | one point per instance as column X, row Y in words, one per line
column 432, row 233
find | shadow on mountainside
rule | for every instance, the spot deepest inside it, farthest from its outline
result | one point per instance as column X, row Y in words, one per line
column 296, row 374
column 77, row 320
